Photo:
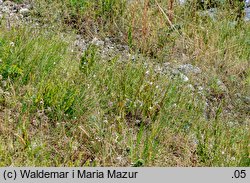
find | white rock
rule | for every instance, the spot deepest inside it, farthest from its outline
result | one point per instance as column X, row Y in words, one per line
column 24, row 11
column 188, row 68
column 184, row 77
column 246, row 99
column 97, row 42
column 191, row 87
column 221, row 86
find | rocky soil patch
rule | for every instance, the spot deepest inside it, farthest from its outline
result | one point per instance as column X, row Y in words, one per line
column 14, row 13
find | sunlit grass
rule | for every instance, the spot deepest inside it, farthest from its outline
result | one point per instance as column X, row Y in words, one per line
column 59, row 109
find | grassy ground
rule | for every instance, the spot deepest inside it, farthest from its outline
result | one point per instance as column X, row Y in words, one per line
column 61, row 109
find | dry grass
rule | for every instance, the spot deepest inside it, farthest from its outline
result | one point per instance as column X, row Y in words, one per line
column 59, row 109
